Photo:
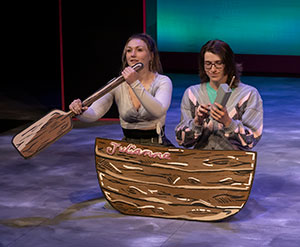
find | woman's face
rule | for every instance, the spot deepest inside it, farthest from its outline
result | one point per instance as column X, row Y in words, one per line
column 214, row 68
column 137, row 51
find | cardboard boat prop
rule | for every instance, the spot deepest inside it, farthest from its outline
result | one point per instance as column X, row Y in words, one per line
column 173, row 182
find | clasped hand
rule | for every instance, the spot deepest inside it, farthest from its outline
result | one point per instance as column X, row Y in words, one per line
column 216, row 111
column 130, row 75
column 76, row 107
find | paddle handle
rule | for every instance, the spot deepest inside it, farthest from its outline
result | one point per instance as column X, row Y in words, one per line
column 109, row 86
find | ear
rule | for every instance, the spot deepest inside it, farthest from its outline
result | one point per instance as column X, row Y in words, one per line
column 151, row 56
column 151, row 60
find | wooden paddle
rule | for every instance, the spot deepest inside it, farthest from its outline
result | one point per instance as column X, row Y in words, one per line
column 56, row 123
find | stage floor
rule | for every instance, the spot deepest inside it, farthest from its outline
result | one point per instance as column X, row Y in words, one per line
column 54, row 199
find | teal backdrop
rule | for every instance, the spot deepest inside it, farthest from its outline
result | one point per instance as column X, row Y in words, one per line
column 262, row 27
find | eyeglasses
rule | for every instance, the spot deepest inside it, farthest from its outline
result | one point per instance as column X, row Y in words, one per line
column 217, row 64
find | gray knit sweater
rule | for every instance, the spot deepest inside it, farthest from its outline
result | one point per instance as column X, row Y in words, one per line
column 244, row 106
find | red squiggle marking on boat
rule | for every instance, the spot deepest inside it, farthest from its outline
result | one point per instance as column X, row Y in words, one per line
column 132, row 149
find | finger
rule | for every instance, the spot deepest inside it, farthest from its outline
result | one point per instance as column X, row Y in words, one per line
column 71, row 107
column 205, row 107
column 128, row 70
column 199, row 114
column 217, row 109
column 85, row 108
column 202, row 109
column 77, row 109
column 126, row 74
column 218, row 106
column 215, row 114
column 125, row 71
column 77, row 102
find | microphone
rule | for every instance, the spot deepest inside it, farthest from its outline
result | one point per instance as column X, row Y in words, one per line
column 138, row 66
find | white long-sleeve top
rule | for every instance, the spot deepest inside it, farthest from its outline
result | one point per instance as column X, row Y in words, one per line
column 151, row 114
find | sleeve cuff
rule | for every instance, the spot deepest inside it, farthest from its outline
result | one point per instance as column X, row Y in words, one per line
column 232, row 127
column 197, row 128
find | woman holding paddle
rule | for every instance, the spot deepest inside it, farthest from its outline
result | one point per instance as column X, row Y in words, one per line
column 206, row 123
column 142, row 101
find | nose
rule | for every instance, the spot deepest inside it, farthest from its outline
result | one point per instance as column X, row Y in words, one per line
column 133, row 53
column 213, row 68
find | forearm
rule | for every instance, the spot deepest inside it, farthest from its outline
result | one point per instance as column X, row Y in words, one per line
column 245, row 134
column 97, row 109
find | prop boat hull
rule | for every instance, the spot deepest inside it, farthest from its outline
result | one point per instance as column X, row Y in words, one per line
column 174, row 182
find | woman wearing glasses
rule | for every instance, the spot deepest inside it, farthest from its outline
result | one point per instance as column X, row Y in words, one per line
column 208, row 125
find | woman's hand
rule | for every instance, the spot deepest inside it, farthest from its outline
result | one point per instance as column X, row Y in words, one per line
column 130, row 75
column 76, row 107
column 220, row 114
column 202, row 112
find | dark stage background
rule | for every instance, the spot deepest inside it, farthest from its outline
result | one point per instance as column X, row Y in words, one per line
column 93, row 36
column 31, row 52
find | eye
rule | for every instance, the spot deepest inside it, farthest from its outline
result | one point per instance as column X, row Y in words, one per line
column 219, row 63
column 207, row 63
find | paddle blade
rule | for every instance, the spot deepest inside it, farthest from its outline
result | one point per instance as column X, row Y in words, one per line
column 42, row 133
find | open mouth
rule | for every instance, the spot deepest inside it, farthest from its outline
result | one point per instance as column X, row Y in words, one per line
column 134, row 61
